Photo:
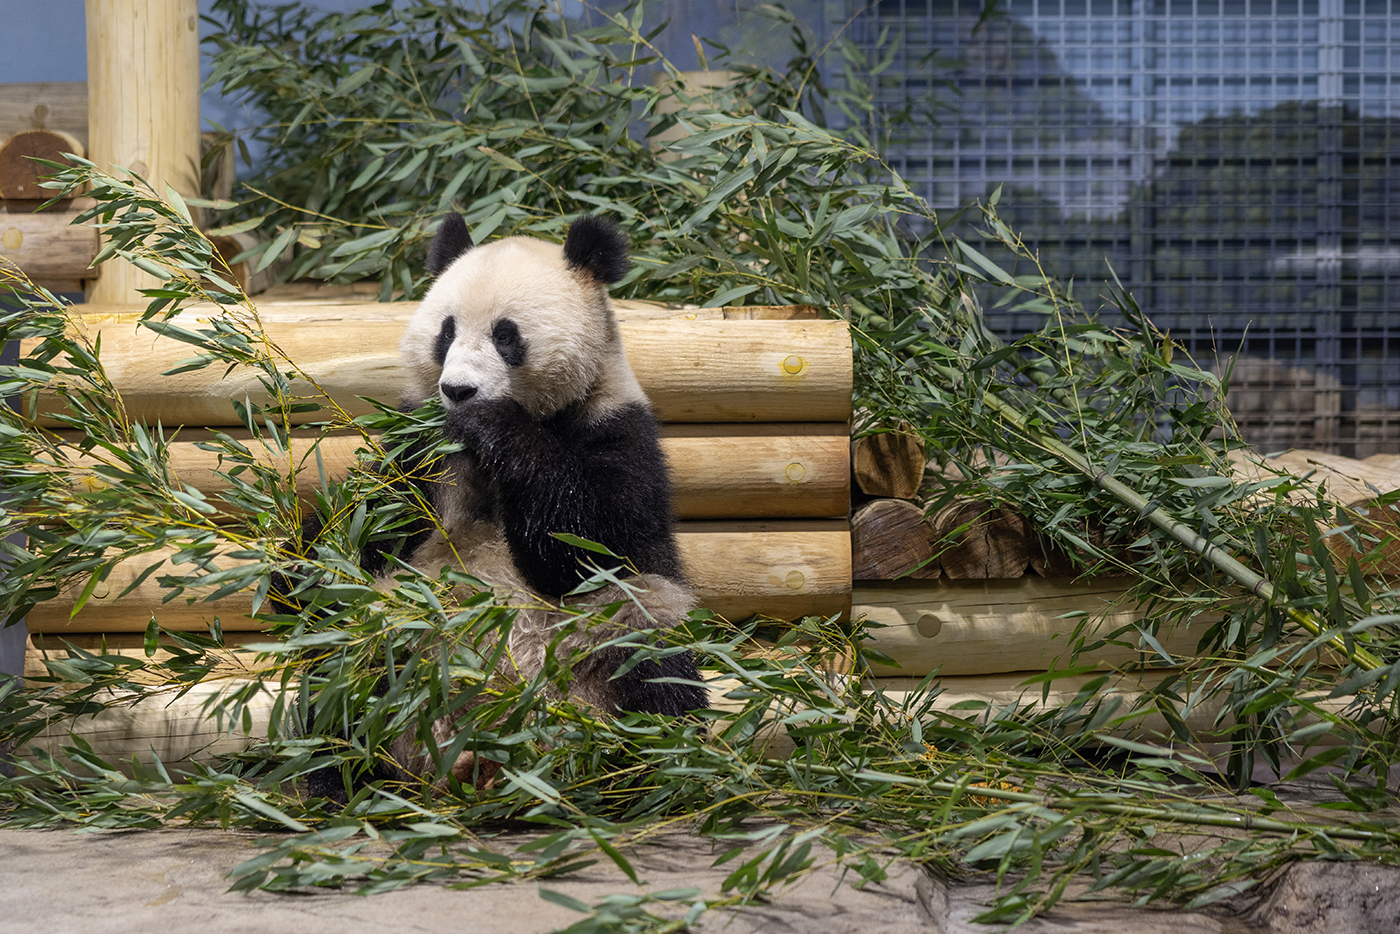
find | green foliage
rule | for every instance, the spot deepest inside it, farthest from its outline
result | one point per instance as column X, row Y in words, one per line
column 1110, row 441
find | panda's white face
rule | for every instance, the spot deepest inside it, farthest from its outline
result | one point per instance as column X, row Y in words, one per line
column 511, row 319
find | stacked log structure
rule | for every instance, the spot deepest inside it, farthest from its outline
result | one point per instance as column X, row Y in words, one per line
column 753, row 405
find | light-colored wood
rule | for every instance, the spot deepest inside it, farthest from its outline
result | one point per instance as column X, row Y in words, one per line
column 177, row 728
column 20, row 174
column 49, row 246
column 784, row 570
column 768, row 471
column 1354, row 484
column 890, row 463
column 975, row 698
column 229, row 662
column 890, row 539
column 978, row 540
column 693, row 371
column 771, row 471
column 984, row 627
column 47, row 105
column 781, row 569
column 143, row 106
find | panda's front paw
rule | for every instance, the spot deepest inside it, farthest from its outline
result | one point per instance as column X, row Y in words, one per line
column 485, row 425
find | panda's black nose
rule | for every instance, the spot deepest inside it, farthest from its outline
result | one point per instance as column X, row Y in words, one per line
column 457, row 394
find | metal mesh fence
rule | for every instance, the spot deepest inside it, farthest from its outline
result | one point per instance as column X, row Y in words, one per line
column 1236, row 161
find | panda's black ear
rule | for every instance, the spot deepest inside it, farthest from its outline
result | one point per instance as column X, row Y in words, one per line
column 450, row 242
column 598, row 246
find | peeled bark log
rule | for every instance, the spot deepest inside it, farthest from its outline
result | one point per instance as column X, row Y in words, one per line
column 889, row 464
column 143, row 105
column 771, row 471
column 700, row 371
column 984, row 627
column 891, row 539
column 978, row 540
column 779, row 569
column 48, row 246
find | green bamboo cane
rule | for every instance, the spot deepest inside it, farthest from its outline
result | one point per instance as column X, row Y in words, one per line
column 1258, row 585
column 1106, row 804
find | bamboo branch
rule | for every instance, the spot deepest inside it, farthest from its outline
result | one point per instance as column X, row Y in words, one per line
column 1227, row 563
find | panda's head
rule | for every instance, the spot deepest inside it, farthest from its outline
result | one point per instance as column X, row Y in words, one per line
column 519, row 318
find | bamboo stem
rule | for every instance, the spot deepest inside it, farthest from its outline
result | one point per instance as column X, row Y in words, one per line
column 1108, row 805
column 1255, row 583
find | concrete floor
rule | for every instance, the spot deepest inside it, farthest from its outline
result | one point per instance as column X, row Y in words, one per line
column 176, row 881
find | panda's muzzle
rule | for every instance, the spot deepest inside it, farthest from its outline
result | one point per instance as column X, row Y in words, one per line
column 456, row 393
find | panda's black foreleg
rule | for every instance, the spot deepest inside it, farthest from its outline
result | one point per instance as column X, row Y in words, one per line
column 604, row 481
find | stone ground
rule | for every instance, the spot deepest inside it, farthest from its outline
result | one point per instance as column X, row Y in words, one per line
column 175, row 881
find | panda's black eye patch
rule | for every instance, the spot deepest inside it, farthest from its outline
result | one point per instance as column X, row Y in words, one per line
column 509, row 344
column 446, row 335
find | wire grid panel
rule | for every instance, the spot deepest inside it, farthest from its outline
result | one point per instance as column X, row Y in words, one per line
column 1237, row 162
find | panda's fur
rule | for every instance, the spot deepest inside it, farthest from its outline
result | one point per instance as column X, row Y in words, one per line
column 518, row 339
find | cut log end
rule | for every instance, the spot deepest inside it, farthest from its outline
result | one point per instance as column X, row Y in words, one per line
column 889, row 464
column 981, row 540
column 891, row 539
column 20, row 174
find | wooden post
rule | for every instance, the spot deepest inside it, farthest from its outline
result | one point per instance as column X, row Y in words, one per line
column 143, row 107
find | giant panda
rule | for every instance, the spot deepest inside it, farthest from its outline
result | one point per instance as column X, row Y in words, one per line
column 519, row 341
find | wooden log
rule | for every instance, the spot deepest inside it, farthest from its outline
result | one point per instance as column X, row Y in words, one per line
column 1353, row 484
column 770, row 471
column 767, row 471
column 979, row 540
column 178, row 729
column 20, row 174
column 780, row 569
column 693, row 371
column 784, row 570
column 985, row 627
column 232, row 662
column 890, row 539
column 890, row 463
column 973, row 698
column 46, row 105
column 49, row 246
column 143, row 107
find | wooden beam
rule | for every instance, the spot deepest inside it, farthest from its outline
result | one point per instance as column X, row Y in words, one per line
column 143, row 107
column 46, row 105
column 769, row 471
column 780, row 569
column 784, row 570
column 49, row 246
column 974, row 697
column 693, row 371
column 230, row 662
column 985, row 627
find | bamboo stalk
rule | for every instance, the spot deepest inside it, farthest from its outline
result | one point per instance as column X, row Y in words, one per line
column 1153, row 512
